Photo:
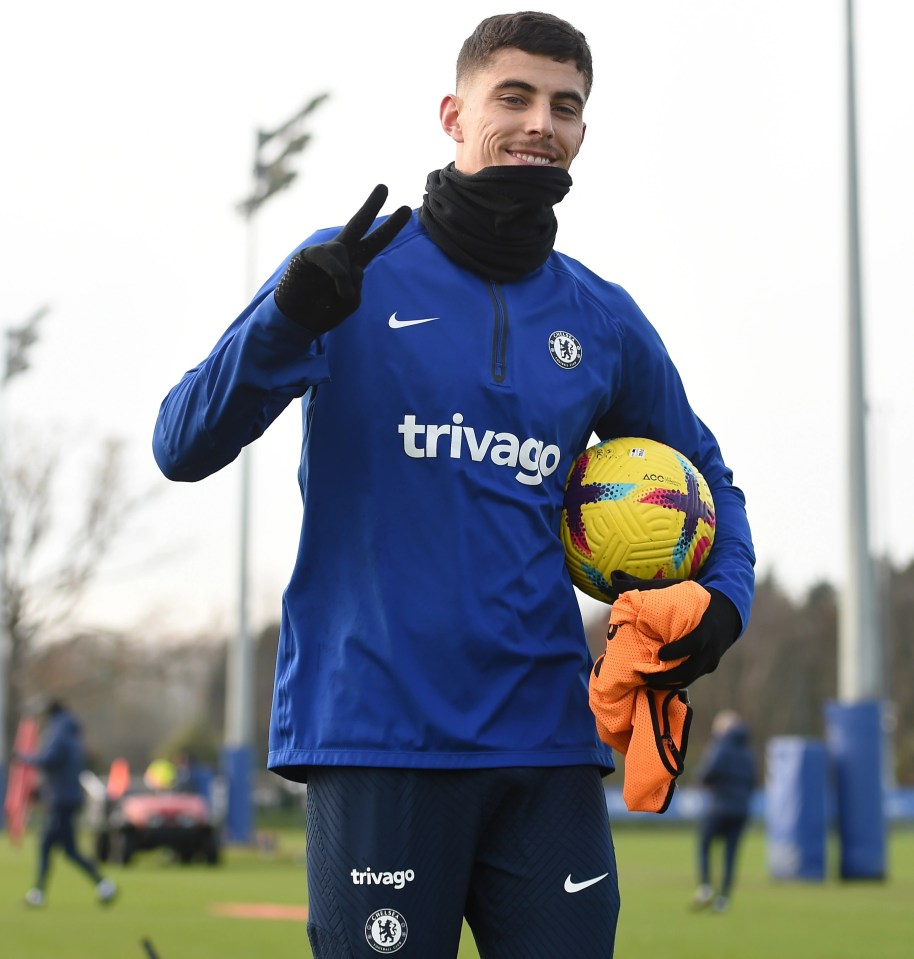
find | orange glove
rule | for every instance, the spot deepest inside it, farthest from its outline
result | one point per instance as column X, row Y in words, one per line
column 648, row 726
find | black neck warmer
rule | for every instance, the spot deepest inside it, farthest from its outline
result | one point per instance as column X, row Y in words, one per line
column 498, row 222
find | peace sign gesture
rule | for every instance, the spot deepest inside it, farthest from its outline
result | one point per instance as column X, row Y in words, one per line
column 322, row 284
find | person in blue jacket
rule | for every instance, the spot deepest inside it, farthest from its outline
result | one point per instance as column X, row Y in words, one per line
column 727, row 771
column 61, row 759
column 432, row 673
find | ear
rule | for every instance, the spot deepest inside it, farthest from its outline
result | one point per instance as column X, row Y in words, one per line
column 449, row 113
column 583, row 131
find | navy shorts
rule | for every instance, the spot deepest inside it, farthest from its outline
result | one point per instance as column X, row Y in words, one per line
column 397, row 858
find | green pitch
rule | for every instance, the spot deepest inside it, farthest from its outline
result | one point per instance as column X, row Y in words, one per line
column 181, row 909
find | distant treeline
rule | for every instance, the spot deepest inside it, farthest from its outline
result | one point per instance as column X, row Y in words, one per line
column 140, row 698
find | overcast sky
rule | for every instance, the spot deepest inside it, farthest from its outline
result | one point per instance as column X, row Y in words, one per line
column 711, row 185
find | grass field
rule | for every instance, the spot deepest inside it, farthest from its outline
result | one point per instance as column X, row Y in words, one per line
column 179, row 908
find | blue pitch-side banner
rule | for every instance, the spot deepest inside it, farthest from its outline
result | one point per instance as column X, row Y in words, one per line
column 689, row 802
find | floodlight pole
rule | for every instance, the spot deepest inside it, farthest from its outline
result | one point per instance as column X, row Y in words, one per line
column 270, row 176
column 854, row 722
column 239, row 699
column 859, row 652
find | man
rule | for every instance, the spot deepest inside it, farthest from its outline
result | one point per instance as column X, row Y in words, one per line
column 431, row 682
column 61, row 758
column 728, row 773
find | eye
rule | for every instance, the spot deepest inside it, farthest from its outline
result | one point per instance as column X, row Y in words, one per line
column 512, row 99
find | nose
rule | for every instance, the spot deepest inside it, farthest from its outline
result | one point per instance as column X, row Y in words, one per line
column 539, row 120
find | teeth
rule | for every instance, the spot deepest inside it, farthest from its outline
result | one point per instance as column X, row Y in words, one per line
column 527, row 158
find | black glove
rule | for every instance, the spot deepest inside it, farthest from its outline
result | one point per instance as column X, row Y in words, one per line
column 322, row 284
column 715, row 633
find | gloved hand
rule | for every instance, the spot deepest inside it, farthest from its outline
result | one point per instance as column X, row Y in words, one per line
column 709, row 640
column 322, row 284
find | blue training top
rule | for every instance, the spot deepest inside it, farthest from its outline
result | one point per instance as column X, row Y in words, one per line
column 430, row 621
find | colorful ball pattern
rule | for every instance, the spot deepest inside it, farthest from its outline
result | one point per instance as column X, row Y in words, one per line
column 636, row 505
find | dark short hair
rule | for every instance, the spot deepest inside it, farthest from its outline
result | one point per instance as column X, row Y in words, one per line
column 538, row 33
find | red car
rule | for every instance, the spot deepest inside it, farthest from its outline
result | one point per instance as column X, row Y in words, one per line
column 152, row 819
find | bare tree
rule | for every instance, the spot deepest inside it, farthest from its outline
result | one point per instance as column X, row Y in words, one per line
column 135, row 694
column 45, row 570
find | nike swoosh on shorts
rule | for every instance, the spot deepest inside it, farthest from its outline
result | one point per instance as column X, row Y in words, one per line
column 578, row 886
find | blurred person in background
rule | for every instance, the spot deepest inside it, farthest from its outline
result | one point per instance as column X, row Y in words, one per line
column 61, row 758
column 728, row 773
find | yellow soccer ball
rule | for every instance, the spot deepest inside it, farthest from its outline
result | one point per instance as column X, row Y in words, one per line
column 635, row 505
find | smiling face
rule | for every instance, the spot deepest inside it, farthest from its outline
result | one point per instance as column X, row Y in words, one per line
column 519, row 109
